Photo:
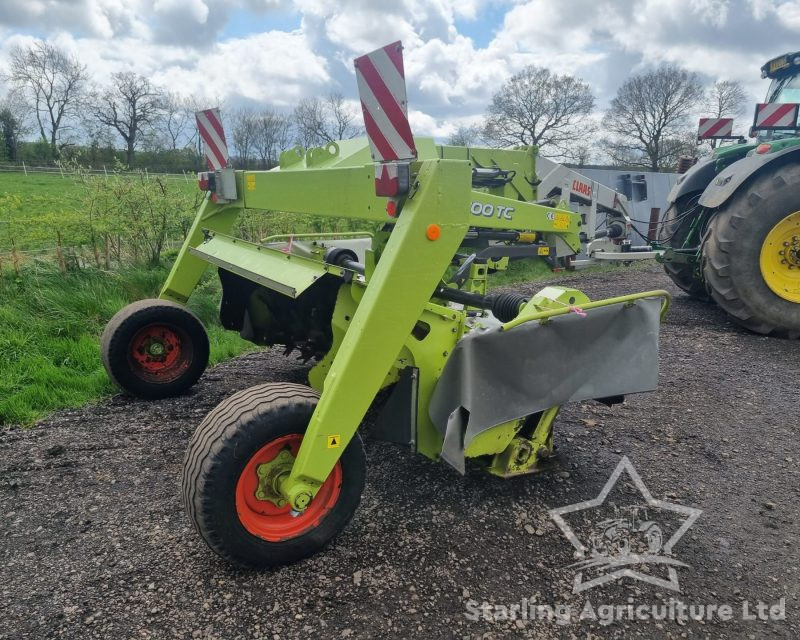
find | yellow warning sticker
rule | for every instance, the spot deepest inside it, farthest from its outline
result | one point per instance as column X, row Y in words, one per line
column 561, row 221
column 251, row 182
column 334, row 441
column 544, row 251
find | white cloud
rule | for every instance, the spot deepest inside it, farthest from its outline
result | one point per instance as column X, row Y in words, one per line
column 451, row 76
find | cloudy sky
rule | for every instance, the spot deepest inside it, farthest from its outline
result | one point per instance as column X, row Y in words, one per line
column 273, row 52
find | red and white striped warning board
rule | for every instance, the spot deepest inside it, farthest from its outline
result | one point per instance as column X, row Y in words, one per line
column 209, row 125
column 776, row 115
column 382, row 89
column 710, row 128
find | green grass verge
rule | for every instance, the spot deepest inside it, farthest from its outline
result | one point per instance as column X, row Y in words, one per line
column 50, row 327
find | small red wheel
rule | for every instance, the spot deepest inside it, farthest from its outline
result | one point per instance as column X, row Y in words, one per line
column 161, row 352
column 235, row 462
column 266, row 519
column 155, row 348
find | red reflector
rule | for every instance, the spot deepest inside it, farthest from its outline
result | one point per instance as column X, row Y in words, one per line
column 391, row 208
column 202, row 181
column 764, row 147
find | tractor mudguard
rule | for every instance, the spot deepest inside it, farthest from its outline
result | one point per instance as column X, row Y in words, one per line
column 737, row 174
column 497, row 375
column 695, row 179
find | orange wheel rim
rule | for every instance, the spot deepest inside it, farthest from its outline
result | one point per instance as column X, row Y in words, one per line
column 265, row 519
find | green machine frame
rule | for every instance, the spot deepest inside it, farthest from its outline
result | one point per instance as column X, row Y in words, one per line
column 375, row 316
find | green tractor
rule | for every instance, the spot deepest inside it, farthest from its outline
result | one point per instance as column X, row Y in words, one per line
column 731, row 229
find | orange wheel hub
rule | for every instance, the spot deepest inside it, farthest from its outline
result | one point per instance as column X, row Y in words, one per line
column 158, row 352
column 263, row 517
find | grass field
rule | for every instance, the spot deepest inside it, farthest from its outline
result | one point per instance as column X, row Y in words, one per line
column 34, row 207
column 49, row 330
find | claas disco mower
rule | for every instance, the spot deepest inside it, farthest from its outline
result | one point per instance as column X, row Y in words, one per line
column 277, row 470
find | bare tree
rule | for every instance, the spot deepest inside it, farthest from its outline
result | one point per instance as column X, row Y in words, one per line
column 177, row 121
column 13, row 126
column 309, row 120
column 52, row 82
column 273, row 135
column 725, row 99
column 465, row 136
column 648, row 119
column 582, row 154
column 130, row 105
column 319, row 121
column 244, row 129
column 537, row 107
column 342, row 118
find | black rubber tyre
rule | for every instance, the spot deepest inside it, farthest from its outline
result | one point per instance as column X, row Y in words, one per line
column 672, row 232
column 229, row 438
column 154, row 325
column 733, row 247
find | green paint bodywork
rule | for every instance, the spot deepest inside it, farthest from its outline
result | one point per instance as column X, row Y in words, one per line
column 782, row 143
column 385, row 319
column 524, row 455
column 728, row 154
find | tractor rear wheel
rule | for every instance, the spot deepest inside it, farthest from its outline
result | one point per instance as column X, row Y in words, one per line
column 751, row 257
column 233, row 464
column 674, row 228
column 154, row 349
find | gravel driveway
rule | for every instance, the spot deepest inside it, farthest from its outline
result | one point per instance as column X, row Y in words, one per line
column 95, row 542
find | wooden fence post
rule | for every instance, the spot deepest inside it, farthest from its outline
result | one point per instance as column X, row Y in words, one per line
column 62, row 266
column 15, row 258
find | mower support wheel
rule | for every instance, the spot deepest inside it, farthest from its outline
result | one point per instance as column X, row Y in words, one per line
column 154, row 349
column 744, row 264
column 233, row 468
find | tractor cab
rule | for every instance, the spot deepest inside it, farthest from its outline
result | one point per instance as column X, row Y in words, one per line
column 784, row 72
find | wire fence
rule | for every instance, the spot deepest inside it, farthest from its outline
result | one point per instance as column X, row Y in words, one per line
column 66, row 172
column 75, row 257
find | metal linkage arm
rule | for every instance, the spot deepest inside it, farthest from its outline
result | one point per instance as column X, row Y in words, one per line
column 420, row 248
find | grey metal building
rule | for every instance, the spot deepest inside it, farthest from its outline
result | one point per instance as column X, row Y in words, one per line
column 645, row 190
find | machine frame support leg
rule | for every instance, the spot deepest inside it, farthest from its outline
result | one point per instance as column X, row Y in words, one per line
column 188, row 269
column 410, row 268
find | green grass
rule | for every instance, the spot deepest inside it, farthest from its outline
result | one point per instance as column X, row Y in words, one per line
column 32, row 206
column 50, row 327
column 537, row 270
